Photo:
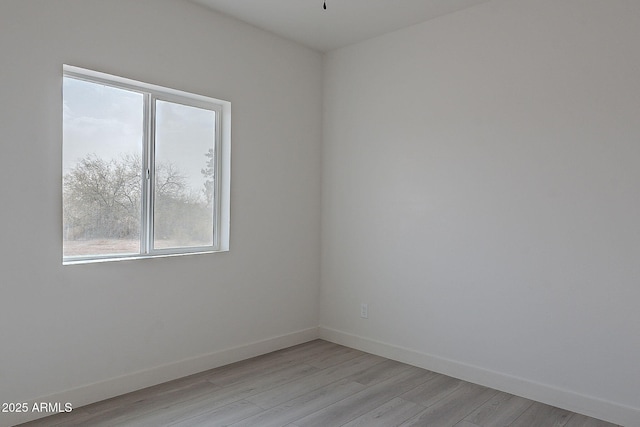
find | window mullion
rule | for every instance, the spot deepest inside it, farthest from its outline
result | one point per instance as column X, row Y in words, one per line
column 152, row 173
column 147, row 177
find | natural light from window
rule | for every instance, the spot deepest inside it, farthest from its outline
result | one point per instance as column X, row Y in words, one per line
column 139, row 170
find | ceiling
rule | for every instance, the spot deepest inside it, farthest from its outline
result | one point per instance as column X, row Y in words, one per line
column 344, row 22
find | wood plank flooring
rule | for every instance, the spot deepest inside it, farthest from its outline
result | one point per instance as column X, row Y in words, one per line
column 318, row 384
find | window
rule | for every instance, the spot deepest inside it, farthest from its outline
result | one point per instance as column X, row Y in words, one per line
column 145, row 169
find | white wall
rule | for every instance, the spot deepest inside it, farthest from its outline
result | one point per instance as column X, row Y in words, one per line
column 68, row 328
column 481, row 192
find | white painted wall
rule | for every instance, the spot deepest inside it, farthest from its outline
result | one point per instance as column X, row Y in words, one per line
column 481, row 192
column 68, row 328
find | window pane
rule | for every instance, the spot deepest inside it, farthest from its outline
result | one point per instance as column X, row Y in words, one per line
column 184, row 170
column 102, row 167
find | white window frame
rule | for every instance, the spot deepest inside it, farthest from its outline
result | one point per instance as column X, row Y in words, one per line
column 222, row 164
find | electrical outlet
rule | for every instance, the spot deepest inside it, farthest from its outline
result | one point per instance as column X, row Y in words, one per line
column 364, row 311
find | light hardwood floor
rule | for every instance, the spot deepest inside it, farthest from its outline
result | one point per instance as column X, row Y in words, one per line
column 318, row 384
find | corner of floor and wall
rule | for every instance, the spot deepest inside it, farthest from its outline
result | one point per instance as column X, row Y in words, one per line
column 472, row 180
column 480, row 195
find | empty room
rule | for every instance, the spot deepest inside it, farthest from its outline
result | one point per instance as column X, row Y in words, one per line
column 307, row 213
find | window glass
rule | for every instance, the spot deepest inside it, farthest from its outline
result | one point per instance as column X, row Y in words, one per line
column 184, row 172
column 102, row 169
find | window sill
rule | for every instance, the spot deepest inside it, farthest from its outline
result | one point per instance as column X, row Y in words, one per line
column 80, row 261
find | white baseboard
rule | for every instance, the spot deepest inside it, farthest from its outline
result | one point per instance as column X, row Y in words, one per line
column 551, row 395
column 107, row 389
